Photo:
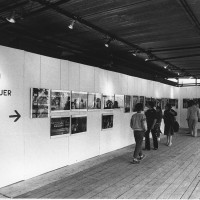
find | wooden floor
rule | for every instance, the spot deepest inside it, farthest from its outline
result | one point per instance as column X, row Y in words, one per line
column 168, row 173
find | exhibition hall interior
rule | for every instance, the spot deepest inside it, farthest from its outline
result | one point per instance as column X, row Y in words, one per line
column 71, row 73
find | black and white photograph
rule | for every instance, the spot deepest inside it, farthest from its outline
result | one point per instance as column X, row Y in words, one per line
column 78, row 124
column 60, row 100
column 127, row 103
column 108, row 101
column 79, row 101
column 60, row 126
column 40, row 103
column 135, row 100
column 119, row 101
column 94, row 101
column 107, row 121
column 81, row 86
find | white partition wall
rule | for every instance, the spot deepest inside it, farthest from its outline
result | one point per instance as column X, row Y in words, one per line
column 27, row 145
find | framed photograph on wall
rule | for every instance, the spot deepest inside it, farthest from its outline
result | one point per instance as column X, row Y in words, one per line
column 127, row 103
column 176, row 103
column 158, row 103
column 108, row 101
column 94, row 101
column 60, row 126
column 119, row 101
column 142, row 100
column 185, row 103
column 40, row 103
column 135, row 100
column 107, row 121
column 79, row 101
column 78, row 124
column 60, row 100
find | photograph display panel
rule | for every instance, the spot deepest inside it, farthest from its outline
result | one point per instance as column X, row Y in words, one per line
column 142, row 100
column 107, row 121
column 147, row 99
column 60, row 126
column 79, row 101
column 94, row 101
column 185, row 103
column 136, row 99
column 40, row 103
column 197, row 101
column 158, row 103
column 108, row 102
column 127, row 103
column 119, row 101
column 164, row 102
column 60, row 100
column 78, row 124
column 176, row 103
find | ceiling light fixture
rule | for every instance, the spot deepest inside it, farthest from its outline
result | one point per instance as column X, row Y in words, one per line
column 135, row 52
column 11, row 19
column 108, row 42
column 71, row 26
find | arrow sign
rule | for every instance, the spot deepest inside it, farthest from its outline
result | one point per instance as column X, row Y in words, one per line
column 17, row 116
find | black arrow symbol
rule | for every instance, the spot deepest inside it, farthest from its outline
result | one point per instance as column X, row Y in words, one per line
column 17, row 116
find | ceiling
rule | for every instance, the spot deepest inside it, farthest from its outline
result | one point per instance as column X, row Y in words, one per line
column 151, row 39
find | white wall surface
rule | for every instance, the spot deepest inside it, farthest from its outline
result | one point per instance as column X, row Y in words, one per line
column 35, row 152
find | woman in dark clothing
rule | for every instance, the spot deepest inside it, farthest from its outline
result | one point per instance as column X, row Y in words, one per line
column 169, row 119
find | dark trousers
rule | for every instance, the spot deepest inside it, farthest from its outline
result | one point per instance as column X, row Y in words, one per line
column 147, row 139
column 138, row 140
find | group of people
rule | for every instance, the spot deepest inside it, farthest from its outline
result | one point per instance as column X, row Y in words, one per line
column 149, row 122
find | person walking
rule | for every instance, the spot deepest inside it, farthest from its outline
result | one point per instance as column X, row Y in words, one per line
column 138, row 124
column 169, row 119
column 151, row 121
column 192, row 118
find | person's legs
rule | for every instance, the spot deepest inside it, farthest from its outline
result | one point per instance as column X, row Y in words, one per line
column 190, row 122
column 138, row 140
column 170, row 140
column 194, row 127
column 147, row 140
column 155, row 139
column 167, row 143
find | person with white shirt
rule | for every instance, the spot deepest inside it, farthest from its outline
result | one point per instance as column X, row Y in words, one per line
column 138, row 124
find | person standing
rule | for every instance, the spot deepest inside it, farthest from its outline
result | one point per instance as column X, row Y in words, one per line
column 158, row 122
column 151, row 121
column 169, row 119
column 192, row 118
column 138, row 124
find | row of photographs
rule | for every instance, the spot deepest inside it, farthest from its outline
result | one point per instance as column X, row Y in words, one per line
column 76, row 124
column 186, row 101
column 44, row 101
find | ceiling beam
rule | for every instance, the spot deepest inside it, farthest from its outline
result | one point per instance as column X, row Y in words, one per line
column 175, row 57
column 175, row 49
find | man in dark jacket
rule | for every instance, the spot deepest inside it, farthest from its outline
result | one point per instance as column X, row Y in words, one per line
column 151, row 118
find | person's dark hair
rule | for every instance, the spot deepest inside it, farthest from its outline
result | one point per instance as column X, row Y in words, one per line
column 138, row 107
column 168, row 105
column 151, row 104
column 158, row 108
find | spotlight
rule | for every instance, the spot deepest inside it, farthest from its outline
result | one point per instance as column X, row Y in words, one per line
column 166, row 66
column 108, row 42
column 71, row 26
column 136, row 52
column 11, row 19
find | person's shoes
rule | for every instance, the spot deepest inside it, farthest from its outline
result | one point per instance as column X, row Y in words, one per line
column 135, row 161
column 167, row 144
column 158, row 139
column 170, row 144
column 142, row 157
column 155, row 148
